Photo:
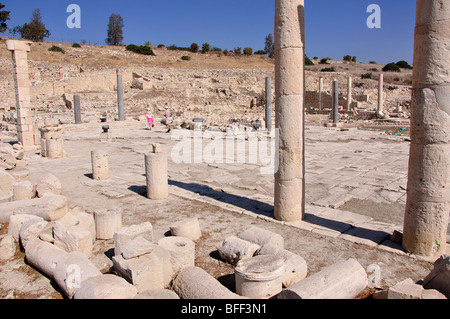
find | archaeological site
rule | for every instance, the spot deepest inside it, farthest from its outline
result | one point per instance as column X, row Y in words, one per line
column 124, row 176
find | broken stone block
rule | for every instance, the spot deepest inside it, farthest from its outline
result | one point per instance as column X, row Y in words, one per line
column 189, row 228
column 295, row 266
column 71, row 270
column 8, row 161
column 7, row 248
column 6, row 196
column 6, row 181
column 149, row 271
column 72, row 238
column 48, row 184
column 16, row 222
column 86, row 221
column 405, row 289
column 31, row 229
column 182, row 252
column 128, row 233
column 43, row 255
column 259, row 277
column 234, row 249
column 107, row 222
column 50, row 208
column 20, row 174
column 157, row 294
column 439, row 277
column 432, row 294
column 261, row 236
column 23, row 191
column 343, row 280
column 105, row 287
column 137, row 247
column 195, row 283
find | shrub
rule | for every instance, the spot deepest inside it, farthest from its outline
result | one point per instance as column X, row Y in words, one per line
column 194, row 47
column 56, row 49
column 225, row 52
column 373, row 69
column 372, row 62
column 237, row 51
column 185, row 58
column 248, row 51
column 206, row 47
column 308, row 61
column 366, row 76
column 397, row 79
column 347, row 58
column 332, row 69
column 404, row 65
column 324, row 61
column 391, row 67
column 354, row 59
column 260, row 52
column 142, row 49
column 76, row 45
column 161, row 46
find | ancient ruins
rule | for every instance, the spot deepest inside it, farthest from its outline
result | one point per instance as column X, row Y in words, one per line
column 303, row 193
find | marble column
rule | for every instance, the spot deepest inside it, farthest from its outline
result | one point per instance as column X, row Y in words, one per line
column 428, row 191
column 289, row 91
column 268, row 104
column 380, row 109
column 349, row 93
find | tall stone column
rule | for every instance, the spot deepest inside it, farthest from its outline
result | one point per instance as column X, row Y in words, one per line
column 25, row 131
column 268, row 104
column 320, row 93
column 77, row 109
column 335, row 110
column 428, row 194
column 380, row 110
column 349, row 93
column 120, row 103
column 289, row 90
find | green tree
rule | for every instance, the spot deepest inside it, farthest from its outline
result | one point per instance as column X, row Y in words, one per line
column 194, row 47
column 4, row 16
column 248, row 51
column 115, row 30
column 348, row 58
column 269, row 47
column 34, row 30
column 206, row 47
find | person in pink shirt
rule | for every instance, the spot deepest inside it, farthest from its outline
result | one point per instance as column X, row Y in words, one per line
column 150, row 119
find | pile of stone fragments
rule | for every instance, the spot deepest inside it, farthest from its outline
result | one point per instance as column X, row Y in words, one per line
column 59, row 243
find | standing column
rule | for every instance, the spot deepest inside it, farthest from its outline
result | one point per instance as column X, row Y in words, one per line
column 100, row 167
column 25, row 131
column 120, row 97
column 428, row 194
column 268, row 104
column 321, row 94
column 156, row 174
column 380, row 110
column 349, row 93
column 77, row 109
column 335, row 111
column 289, row 90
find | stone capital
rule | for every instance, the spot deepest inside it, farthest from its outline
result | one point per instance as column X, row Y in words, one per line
column 16, row 45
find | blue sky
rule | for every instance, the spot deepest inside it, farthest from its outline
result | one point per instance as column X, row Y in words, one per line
column 333, row 28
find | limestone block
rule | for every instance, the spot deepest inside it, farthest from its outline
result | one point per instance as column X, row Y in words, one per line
column 432, row 294
column 157, row 294
column 71, row 270
column 6, row 181
column 182, row 251
column 405, row 289
column 343, row 280
column 54, row 148
column 48, row 184
column 234, row 249
column 156, row 176
column 51, row 207
column 43, row 255
column 189, row 228
column 16, row 45
column 7, row 248
column 20, row 174
column 149, row 271
column 439, row 277
column 6, row 196
column 23, row 191
column 137, row 247
column 105, row 287
column 86, row 221
column 295, row 266
column 107, row 222
column 100, row 170
column 259, row 277
column 261, row 236
column 16, row 222
column 72, row 238
column 8, row 160
column 128, row 233
column 31, row 229
column 195, row 283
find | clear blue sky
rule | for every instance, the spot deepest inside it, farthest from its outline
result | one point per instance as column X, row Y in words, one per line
column 333, row 28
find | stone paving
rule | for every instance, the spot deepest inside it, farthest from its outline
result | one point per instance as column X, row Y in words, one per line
column 355, row 169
